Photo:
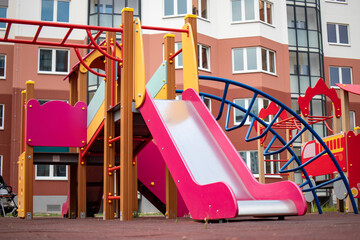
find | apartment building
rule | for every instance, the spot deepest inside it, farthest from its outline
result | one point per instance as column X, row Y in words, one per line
column 280, row 47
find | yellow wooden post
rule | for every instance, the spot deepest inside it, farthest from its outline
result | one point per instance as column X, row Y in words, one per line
column 28, row 164
column 260, row 156
column 81, row 167
column 126, row 116
column 171, row 190
column 109, row 131
column 304, row 139
column 72, row 168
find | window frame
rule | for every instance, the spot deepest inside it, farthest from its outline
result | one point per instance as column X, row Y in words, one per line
column 248, row 163
column 243, row 12
column 55, row 17
column 259, row 60
column 266, row 13
column 337, row 33
column 53, row 61
column 175, row 9
column 272, row 164
column 2, row 120
column 337, row 1
column 177, row 48
column 4, row 77
column 200, row 67
column 260, row 105
column 340, row 69
column 3, row 7
column 200, row 7
column 51, row 176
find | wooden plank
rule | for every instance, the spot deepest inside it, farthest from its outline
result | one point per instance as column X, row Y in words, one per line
column 109, row 132
column 260, row 156
column 171, row 190
column 126, row 120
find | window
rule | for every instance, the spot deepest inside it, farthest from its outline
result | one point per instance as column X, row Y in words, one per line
column 243, row 10
column 178, row 58
column 265, row 11
column 200, row 8
column 338, row 1
column 253, row 59
column 3, row 10
column 175, row 7
column 2, row 116
column 272, row 167
column 51, row 172
column 2, row 66
column 337, row 33
column 55, row 10
column 204, row 57
column 53, row 61
column 340, row 75
column 251, row 160
column 244, row 103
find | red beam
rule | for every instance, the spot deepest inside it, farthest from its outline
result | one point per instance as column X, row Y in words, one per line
column 165, row 29
column 113, row 197
column 174, row 55
column 114, row 168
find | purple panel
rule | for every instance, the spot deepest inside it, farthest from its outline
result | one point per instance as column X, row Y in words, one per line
column 56, row 124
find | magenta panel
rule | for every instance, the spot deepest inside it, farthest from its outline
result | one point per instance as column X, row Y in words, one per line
column 56, row 124
column 353, row 143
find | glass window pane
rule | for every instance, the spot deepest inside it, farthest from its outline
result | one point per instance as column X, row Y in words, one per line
column 254, row 165
column 313, row 39
column 2, row 15
column 134, row 4
column 204, row 9
column 343, row 34
column 2, row 65
column 204, row 57
column 119, row 5
column 300, row 18
column 303, row 63
column 304, row 84
column 272, row 61
column 59, row 170
column 168, row 7
column 316, row 107
column 249, row 10
column 294, row 84
column 63, row 11
column 61, row 61
column 182, row 6
column 105, row 20
column 334, row 75
column 179, row 57
column 116, row 20
column 315, row 64
column 236, row 10
column 261, row 11
column 108, row 8
column 93, row 20
column 311, row 19
column 292, row 37
column 331, row 32
column 264, row 59
column 239, row 115
column 238, row 59
column 290, row 16
column 293, row 63
column 301, row 38
column 251, row 59
column 195, row 7
column 43, row 170
column 45, row 60
column 269, row 13
column 243, row 156
column 255, row 108
column 47, row 10
column 346, row 75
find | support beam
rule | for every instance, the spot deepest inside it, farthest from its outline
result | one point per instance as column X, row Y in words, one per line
column 81, row 168
column 126, row 118
column 260, row 156
column 109, row 129
column 288, row 156
column 22, row 126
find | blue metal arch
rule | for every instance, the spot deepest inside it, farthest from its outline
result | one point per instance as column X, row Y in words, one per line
column 268, row 128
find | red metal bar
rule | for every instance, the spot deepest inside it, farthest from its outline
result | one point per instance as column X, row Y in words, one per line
column 281, row 174
column 92, row 40
column 85, row 65
column 37, row 34
column 174, row 55
column 165, row 29
column 114, row 139
column 113, row 197
column 66, row 36
column 136, row 138
column 274, row 160
column 114, row 168
column 7, row 31
column 92, row 140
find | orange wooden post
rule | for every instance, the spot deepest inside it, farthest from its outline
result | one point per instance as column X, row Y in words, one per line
column 126, row 116
column 171, row 190
column 28, row 164
column 109, row 130
column 81, row 167
column 260, row 156
column 22, row 126
column 72, row 168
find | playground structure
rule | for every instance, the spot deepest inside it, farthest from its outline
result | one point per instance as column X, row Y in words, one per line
column 214, row 185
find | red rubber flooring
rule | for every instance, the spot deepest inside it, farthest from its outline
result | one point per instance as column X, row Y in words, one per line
column 312, row 226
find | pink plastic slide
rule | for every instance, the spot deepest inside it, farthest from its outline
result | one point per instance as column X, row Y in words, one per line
column 213, row 180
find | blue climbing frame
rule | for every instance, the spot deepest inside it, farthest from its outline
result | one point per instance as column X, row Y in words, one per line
column 276, row 136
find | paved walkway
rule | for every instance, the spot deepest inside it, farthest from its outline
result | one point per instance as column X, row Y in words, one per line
column 312, row 226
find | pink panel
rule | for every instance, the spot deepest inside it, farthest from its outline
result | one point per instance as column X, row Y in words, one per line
column 56, row 124
column 151, row 169
column 353, row 143
column 350, row 88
